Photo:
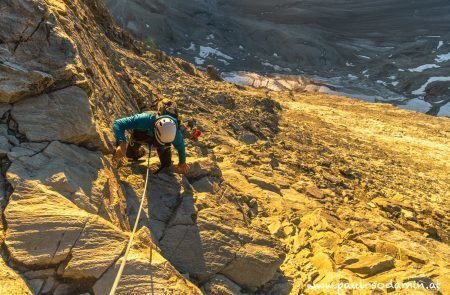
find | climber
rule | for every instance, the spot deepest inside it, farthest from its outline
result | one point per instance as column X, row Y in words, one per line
column 159, row 129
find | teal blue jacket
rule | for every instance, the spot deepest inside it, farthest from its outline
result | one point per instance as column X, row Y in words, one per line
column 145, row 122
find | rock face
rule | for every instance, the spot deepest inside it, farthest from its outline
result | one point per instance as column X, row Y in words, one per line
column 285, row 192
column 204, row 233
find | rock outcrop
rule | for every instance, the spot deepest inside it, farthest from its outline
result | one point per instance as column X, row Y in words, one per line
column 286, row 192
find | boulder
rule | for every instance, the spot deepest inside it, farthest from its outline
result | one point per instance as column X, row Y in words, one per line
column 206, row 184
column 18, row 83
column 248, row 138
column 313, row 191
column 254, row 265
column 52, row 116
column 372, row 264
column 202, row 167
column 399, row 250
column 213, row 73
column 221, row 285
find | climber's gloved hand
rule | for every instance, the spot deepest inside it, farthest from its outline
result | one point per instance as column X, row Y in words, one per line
column 183, row 168
column 120, row 151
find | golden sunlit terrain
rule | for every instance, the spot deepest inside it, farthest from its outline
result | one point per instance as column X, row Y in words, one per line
column 287, row 193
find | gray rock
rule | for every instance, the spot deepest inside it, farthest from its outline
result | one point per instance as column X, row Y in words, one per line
column 5, row 146
column 221, row 285
column 48, row 286
column 253, row 266
column 35, row 285
column 63, row 289
column 52, row 116
column 18, row 83
column 248, row 138
column 206, row 184
column 4, row 108
column 203, row 167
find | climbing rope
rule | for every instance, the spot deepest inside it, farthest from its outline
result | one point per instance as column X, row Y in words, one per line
column 130, row 241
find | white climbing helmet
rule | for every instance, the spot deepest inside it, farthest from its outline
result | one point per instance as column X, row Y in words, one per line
column 165, row 130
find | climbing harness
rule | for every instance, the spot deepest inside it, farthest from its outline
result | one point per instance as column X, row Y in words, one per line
column 130, row 241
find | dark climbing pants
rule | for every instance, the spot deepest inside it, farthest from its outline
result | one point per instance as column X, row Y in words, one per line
column 139, row 139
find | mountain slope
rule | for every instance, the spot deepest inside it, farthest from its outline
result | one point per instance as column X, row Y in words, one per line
column 285, row 189
column 384, row 50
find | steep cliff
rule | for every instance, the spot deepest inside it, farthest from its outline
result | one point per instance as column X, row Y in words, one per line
column 285, row 190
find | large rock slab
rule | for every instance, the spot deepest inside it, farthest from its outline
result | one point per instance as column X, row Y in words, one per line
column 96, row 249
column 145, row 271
column 84, row 177
column 42, row 225
column 53, row 214
column 45, row 229
column 371, row 265
column 63, row 115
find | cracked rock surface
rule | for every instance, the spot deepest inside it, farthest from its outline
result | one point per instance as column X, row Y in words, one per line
column 285, row 190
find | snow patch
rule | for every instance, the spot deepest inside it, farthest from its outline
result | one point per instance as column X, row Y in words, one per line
column 363, row 56
column 210, row 37
column 191, row 47
column 382, row 82
column 349, row 64
column 442, row 58
column 440, row 44
column 223, row 61
column 276, row 67
column 352, row 77
column 416, row 104
column 199, row 61
column 421, row 90
column 422, row 68
column 444, row 111
column 206, row 51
